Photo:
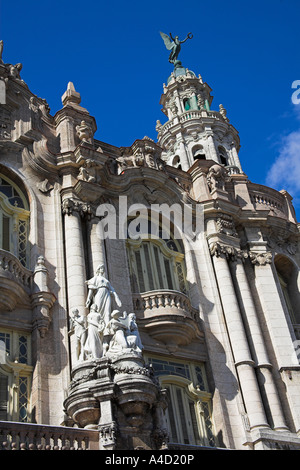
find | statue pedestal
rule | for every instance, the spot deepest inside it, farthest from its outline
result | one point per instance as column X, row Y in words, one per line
column 117, row 395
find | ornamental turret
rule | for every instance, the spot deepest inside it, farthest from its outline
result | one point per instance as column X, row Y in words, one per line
column 193, row 130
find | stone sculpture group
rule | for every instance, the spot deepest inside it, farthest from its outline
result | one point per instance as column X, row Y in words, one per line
column 103, row 331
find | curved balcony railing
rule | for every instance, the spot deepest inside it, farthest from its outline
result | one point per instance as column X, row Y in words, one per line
column 190, row 115
column 11, row 268
column 168, row 317
column 265, row 198
column 15, row 282
column 161, row 302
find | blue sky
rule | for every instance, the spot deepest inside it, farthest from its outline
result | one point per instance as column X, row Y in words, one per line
column 247, row 51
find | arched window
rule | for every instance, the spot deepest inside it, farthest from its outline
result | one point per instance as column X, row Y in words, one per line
column 223, row 156
column 186, row 103
column 289, row 279
column 189, row 412
column 176, row 162
column 14, row 219
column 156, row 264
column 198, row 153
column 15, row 375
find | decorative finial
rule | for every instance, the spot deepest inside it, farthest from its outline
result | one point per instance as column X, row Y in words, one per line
column 71, row 95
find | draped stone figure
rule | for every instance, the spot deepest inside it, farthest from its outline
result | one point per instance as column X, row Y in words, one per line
column 103, row 330
column 93, row 345
column 78, row 326
column 100, row 293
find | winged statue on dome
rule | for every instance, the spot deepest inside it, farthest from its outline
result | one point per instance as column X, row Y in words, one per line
column 174, row 45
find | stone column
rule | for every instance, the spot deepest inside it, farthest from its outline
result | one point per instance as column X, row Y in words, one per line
column 237, row 336
column 96, row 246
column 184, row 159
column 282, row 337
column 257, row 343
column 235, row 156
column 75, row 259
column 212, row 148
column 200, row 187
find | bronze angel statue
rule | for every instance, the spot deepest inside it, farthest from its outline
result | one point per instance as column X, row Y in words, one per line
column 174, row 45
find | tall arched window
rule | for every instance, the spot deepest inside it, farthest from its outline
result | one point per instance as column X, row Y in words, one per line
column 14, row 219
column 15, row 375
column 223, row 156
column 189, row 412
column 289, row 279
column 156, row 264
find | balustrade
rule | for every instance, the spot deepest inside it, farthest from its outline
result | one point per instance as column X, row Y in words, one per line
column 11, row 267
column 164, row 301
column 266, row 198
column 25, row 436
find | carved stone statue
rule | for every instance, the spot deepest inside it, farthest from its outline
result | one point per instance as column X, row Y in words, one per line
column 103, row 330
column 100, row 293
column 93, row 346
column 84, row 132
column 216, row 177
column 174, row 45
column 88, row 172
column 133, row 335
column 124, row 333
column 77, row 324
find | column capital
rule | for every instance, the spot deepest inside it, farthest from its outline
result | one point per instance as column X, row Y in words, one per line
column 71, row 205
column 229, row 252
column 261, row 258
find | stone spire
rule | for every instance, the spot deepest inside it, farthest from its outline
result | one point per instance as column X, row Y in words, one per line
column 71, row 96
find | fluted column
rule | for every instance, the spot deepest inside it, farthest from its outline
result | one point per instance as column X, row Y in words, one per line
column 240, row 348
column 73, row 211
column 257, row 343
column 282, row 337
column 96, row 246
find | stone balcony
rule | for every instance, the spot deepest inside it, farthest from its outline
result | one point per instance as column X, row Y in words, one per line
column 26, row 436
column 15, row 282
column 168, row 316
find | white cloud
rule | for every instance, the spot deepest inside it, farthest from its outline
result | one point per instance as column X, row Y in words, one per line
column 285, row 171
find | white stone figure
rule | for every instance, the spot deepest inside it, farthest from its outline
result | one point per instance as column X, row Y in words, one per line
column 88, row 171
column 77, row 324
column 117, row 328
column 124, row 334
column 133, row 336
column 84, row 132
column 93, row 345
column 216, row 177
column 100, row 293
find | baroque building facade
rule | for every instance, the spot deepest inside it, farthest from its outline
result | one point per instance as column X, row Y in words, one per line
column 156, row 341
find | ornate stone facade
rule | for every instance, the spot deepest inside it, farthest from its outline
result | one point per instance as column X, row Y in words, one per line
column 152, row 342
